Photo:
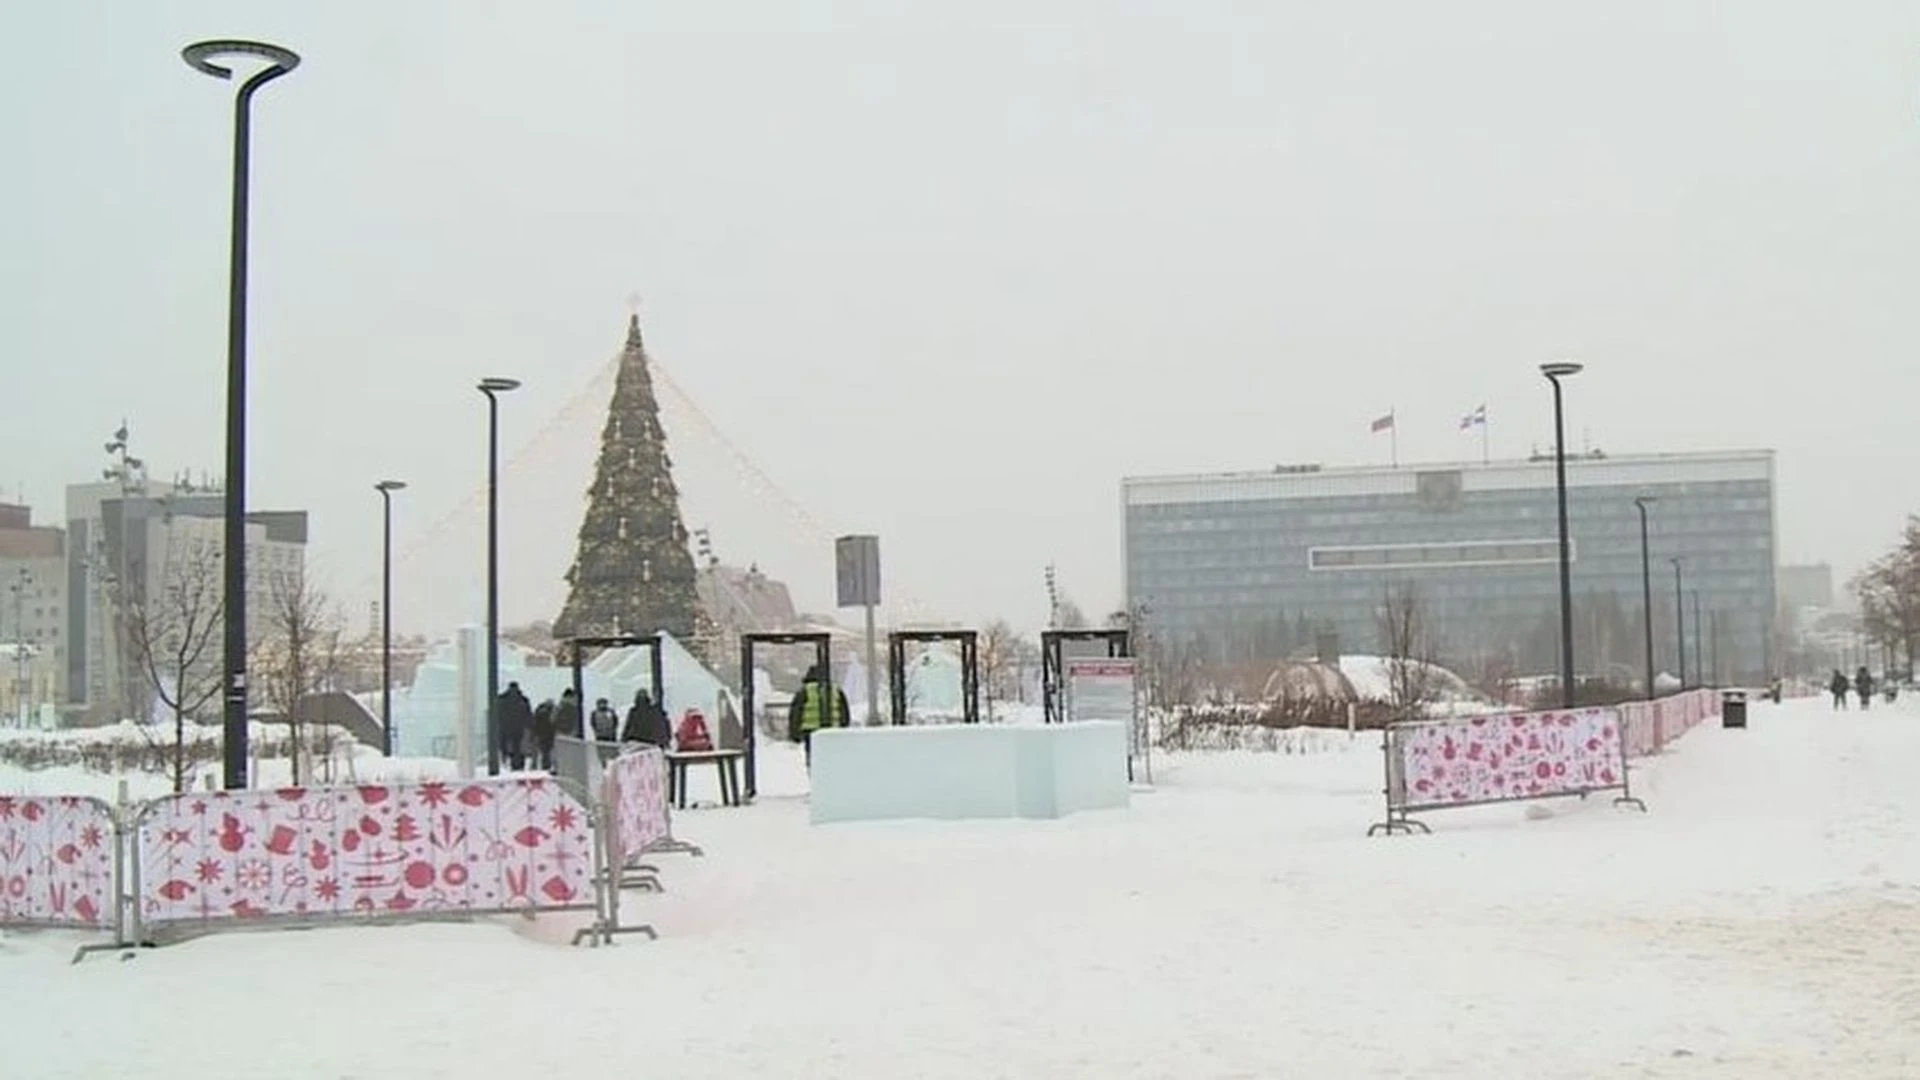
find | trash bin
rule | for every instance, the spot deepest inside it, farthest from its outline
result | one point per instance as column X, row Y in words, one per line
column 1733, row 708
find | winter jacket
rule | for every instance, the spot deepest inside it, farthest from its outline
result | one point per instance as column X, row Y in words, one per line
column 605, row 723
column 515, row 716
column 566, row 717
column 543, row 723
column 815, row 707
column 647, row 723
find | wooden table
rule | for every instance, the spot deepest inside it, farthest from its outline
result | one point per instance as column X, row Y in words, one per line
column 726, row 765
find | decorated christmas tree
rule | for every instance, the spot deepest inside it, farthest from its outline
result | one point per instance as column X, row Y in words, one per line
column 634, row 573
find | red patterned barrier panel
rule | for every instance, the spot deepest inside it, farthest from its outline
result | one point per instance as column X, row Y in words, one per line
column 56, row 862
column 1650, row 725
column 1483, row 759
column 1640, row 726
column 511, row 844
column 635, row 789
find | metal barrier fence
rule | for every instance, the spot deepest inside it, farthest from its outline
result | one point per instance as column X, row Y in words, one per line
column 181, row 865
column 635, row 821
column 506, row 844
column 1651, row 726
column 1509, row 757
column 60, row 863
column 1474, row 761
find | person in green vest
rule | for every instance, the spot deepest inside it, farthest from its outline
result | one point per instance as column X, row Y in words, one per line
column 817, row 705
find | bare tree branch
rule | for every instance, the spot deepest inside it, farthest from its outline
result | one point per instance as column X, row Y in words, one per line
column 1000, row 657
column 297, row 651
column 173, row 634
column 1411, row 674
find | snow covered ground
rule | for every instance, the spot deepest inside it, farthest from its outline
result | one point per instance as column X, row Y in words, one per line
column 1760, row 922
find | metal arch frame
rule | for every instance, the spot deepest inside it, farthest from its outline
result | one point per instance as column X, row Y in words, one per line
column 969, row 642
column 822, row 643
column 1119, row 644
column 656, row 667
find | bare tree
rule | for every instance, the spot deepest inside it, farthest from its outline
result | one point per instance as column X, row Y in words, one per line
column 1889, row 595
column 1000, row 658
column 175, row 636
column 1493, row 673
column 1411, row 680
column 298, row 651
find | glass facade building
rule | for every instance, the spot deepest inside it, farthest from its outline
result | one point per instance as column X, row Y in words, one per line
column 1242, row 564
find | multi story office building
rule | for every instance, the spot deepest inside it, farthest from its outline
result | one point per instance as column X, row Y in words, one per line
column 1241, row 564
column 1806, row 586
column 33, row 594
column 125, row 539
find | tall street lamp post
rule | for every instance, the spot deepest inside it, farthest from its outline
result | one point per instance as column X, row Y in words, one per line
column 1556, row 371
column 1646, row 589
column 386, row 488
column 1679, row 624
column 1699, row 670
column 493, row 388
column 23, row 580
column 201, row 56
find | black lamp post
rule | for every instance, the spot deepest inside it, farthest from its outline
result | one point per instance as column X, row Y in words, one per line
column 1679, row 624
column 1646, row 590
column 200, row 56
column 493, row 388
column 386, row 488
column 1699, row 669
column 1563, row 369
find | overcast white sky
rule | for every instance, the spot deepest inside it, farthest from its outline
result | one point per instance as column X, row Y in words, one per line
column 947, row 277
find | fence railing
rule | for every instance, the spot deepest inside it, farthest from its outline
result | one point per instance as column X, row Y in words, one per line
column 635, row 821
column 60, row 861
column 201, row 862
column 1652, row 725
column 1508, row 757
column 365, row 852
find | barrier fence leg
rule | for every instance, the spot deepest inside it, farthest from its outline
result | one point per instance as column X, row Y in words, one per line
column 608, row 878
column 1396, row 820
column 124, row 897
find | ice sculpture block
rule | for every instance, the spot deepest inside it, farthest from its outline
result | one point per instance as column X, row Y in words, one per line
column 956, row 771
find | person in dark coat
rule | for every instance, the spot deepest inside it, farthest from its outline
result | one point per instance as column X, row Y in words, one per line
column 604, row 723
column 543, row 732
column 1863, row 685
column 1837, row 686
column 514, row 715
column 647, row 723
column 814, row 706
column 566, row 716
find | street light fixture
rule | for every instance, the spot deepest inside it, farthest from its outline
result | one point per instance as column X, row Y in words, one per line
column 386, row 488
column 1556, row 371
column 201, row 56
column 1646, row 589
column 493, row 388
column 1679, row 624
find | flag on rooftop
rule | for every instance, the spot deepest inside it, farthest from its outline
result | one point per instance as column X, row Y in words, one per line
column 1385, row 423
column 1476, row 418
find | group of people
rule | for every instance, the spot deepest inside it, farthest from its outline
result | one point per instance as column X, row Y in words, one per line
column 1862, row 684
column 527, row 731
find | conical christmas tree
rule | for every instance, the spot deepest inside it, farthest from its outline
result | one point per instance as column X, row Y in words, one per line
column 633, row 573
